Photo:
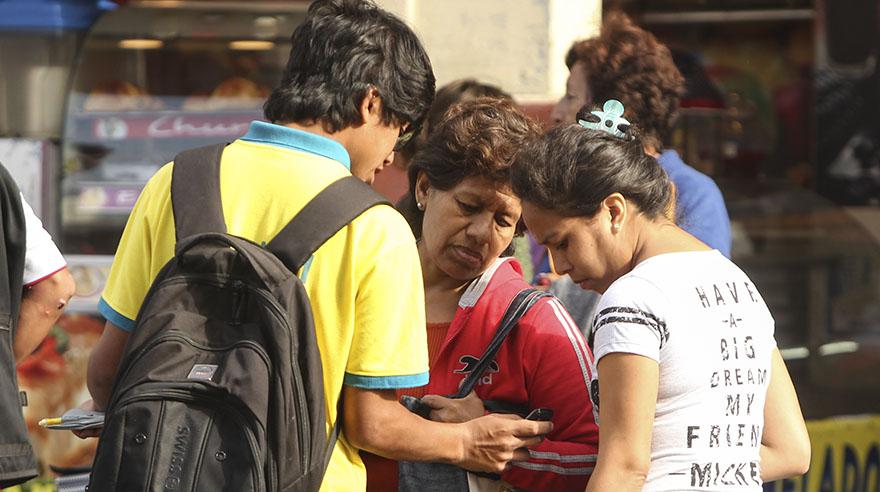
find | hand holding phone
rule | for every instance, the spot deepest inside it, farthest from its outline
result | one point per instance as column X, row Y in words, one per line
column 416, row 406
column 75, row 419
column 540, row 414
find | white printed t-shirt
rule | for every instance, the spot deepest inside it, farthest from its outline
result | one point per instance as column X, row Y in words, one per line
column 701, row 318
column 42, row 258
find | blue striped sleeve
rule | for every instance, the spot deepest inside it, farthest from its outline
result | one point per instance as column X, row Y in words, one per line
column 386, row 382
column 112, row 316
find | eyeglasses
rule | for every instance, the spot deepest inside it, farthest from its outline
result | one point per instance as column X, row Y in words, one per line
column 406, row 134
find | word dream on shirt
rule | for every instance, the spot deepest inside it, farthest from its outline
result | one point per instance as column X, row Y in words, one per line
column 738, row 378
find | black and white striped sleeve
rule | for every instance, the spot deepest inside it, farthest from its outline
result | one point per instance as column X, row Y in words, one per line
column 631, row 318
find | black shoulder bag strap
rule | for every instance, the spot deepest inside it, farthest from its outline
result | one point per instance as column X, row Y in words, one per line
column 517, row 308
column 195, row 192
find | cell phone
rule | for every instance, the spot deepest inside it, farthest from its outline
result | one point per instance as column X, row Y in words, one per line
column 541, row 414
column 415, row 406
column 74, row 419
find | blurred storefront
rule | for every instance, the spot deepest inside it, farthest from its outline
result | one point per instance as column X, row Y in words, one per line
column 94, row 97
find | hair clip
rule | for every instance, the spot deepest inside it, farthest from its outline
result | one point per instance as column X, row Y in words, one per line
column 609, row 120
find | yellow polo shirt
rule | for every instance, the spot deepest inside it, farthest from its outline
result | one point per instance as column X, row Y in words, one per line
column 364, row 284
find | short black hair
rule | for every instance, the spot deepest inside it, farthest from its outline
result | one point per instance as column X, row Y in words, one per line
column 572, row 169
column 341, row 50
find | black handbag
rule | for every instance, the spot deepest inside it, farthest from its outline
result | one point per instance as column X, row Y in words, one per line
column 440, row 477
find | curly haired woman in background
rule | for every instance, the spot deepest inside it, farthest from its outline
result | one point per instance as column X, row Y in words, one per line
column 627, row 63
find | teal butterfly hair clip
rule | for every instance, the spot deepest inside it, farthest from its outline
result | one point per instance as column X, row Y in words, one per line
column 609, row 120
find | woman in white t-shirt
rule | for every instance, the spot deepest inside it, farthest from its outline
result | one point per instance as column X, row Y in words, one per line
column 691, row 389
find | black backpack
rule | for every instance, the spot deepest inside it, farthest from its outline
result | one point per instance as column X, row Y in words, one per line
column 220, row 387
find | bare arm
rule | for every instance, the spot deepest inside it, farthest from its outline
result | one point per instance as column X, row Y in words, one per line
column 41, row 306
column 785, row 445
column 455, row 409
column 103, row 363
column 627, row 401
column 376, row 422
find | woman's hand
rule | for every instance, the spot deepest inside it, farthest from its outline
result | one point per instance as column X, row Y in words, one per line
column 455, row 410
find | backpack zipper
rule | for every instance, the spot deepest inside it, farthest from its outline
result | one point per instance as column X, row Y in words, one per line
column 298, row 388
column 178, row 335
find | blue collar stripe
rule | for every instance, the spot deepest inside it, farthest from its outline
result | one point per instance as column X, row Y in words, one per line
column 290, row 138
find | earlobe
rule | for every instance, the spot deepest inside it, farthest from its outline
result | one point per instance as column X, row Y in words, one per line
column 422, row 188
column 615, row 204
column 370, row 106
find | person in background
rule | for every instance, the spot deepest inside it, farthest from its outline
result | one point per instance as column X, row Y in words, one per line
column 691, row 389
column 462, row 211
column 357, row 85
column 36, row 287
column 48, row 286
column 455, row 92
column 629, row 64
column 392, row 181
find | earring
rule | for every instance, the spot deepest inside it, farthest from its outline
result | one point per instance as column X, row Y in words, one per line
column 615, row 227
column 420, row 206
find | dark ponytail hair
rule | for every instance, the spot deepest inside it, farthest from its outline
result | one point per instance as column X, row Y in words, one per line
column 572, row 169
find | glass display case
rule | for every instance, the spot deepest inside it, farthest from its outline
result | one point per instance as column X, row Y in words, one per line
column 151, row 82
column 39, row 40
column 148, row 79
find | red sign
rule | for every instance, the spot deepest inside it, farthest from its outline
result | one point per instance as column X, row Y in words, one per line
column 173, row 126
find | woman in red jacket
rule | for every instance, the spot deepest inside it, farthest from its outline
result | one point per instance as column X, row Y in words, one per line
column 464, row 214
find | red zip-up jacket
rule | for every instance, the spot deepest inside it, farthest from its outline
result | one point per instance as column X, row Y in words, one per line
column 544, row 362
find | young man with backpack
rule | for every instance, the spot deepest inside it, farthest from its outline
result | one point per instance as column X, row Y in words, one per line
column 357, row 84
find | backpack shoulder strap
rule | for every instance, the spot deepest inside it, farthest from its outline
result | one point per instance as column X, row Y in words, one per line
column 321, row 218
column 195, row 191
column 518, row 307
